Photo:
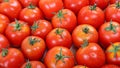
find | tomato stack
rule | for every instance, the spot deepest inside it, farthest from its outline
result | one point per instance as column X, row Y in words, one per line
column 59, row 33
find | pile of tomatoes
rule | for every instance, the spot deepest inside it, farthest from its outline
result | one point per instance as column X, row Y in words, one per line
column 59, row 33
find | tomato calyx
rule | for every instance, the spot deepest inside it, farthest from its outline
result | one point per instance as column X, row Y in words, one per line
column 85, row 30
column 6, row 0
column 85, row 43
column 32, row 41
column 35, row 26
column 93, row 7
column 31, row 6
column 118, row 4
column 60, row 56
column 28, row 65
column 59, row 32
column 4, row 52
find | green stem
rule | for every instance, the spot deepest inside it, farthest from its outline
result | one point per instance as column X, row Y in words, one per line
column 85, row 43
column 6, row 0
column 32, row 41
column 4, row 52
column 93, row 7
column 118, row 4
column 59, row 32
column 31, row 6
column 17, row 25
column 85, row 30
column 35, row 26
column 28, row 65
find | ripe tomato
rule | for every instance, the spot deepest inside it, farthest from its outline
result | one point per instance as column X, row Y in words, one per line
column 91, row 15
column 91, row 55
column 84, row 32
column 4, row 21
column 110, row 66
column 41, row 28
column 50, row 6
column 113, row 53
column 10, row 8
column 11, row 58
column 109, row 32
column 112, row 12
column 33, row 47
column 33, row 64
column 26, row 3
column 65, row 18
column 113, row 1
column 100, row 3
column 80, row 66
column 58, row 37
column 59, row 57
column 30, row 14
column 16, row 32
column 4, row 43
column 75, row 5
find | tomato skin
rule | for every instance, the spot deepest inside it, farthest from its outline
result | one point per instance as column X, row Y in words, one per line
column 14, row 59
column 4, row 21
column 112, row 13
column 100, row 3
column 34, row 64
column 67, row 20
column 112, row 57
column 50, row 60
column 80, row 66
column 55, row 39
column 50, row 6
column 16, row 36
column 90, row 53
column 42, row 29
column 26, row 3
column 78, row 35
column 4, row 43
column 11, row 9
column 113, row 1
column 92, row 17
column 75, row 5
column 30, row 15
column 106, row 37
column 110, row 66
column 33, row 51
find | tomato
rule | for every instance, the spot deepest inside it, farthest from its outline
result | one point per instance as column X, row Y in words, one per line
column 112, row 12
column 33, row 64
column 91, row 55
column 112, row 53
column 91, row 15
column 4, row 43
column 110, row 66
column 80, row 66
column 16, row 32
column 4, row 21
column 75, row 5
column 30, row 14
column 113, row 1
column 33, row 47
column 100, row 3
column 109, row 32
column 26, row 3
column 84, row 32
column 41, row 28
column 10, row 8
column 65, row 18
column 50, row 6
column 59, row 57
column 58, row 37
column 11, row 58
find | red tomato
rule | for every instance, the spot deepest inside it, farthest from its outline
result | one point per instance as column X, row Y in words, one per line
column 59, row 57
column 58, row 37
column 80, row 66
column 100, row 3
column 10, row 8
column 30, row 14
column 33, row 64
column 91, row 15
column 41, row 28
column 91, row 55
column 65, row 18
column 113, row 1
column 110, row 66
column 75, row 5
column 84, row 32
column 4, row 43
column 113, row 53
column 112, row 12
column 50, row 6
column 4, row 21
column 109, row 32
column 26, row 3
column 33, row 47
column 16, row 32
column 11, row 58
